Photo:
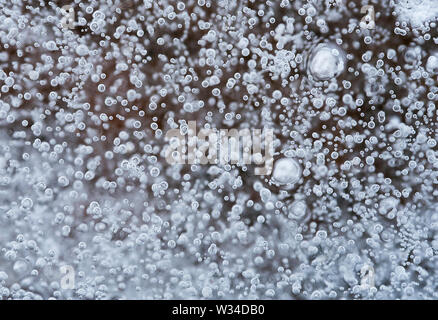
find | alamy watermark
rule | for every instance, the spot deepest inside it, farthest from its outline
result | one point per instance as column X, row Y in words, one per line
column 68, row 19
column 367, row 21
column 367, row 275
column 68, row 278
column 213, row 146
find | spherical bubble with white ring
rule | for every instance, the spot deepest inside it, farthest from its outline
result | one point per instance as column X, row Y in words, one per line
column 287, row 171
column 327, row 61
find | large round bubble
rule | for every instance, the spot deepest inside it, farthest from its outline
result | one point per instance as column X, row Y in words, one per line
column 286, row 171
column 326, row 62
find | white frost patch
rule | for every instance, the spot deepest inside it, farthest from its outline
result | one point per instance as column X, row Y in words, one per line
column 417, row 12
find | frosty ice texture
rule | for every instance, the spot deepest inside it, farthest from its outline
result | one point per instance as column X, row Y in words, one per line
column 90, row 209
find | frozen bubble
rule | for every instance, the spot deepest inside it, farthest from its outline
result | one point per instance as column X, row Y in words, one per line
column 326, row 62
column 26, row 203
column 20, row 266
column 33, row 75
column 51, row 45
column 298, row 210
column 207, row 292
column 432, row 64
column 387, row 205
column 286, row 171
column 81, row 50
